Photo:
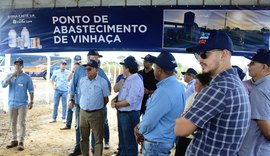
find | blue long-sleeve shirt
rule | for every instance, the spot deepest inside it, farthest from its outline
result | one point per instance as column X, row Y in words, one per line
column 78, row 74
column 163, row 107
column 18, row 88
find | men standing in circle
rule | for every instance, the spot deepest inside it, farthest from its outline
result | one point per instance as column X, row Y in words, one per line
column 155, row 131
column 189, row 78
column 149, row 80
column 19, row 83
column 75, row 95
column 94, row 96
column 257, row 140
column 77, row 62
column 60, row 85
column 128, row 103
column 220, row 114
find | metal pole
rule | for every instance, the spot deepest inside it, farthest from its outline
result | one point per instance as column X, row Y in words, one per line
column 48, row 79
column 12, row 4
column 55, row 3
column 5, row 91
column 33, row 3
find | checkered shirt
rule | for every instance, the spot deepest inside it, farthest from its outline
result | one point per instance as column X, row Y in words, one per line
column 222, row 114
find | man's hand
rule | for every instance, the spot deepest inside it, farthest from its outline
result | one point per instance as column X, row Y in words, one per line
column 146, row 91
column 30, row 105
column 113, row 103
column 71, row 104
column 15, row 73
column 139, row 137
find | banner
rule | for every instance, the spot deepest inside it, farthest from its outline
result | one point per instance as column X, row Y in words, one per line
column 130, row 28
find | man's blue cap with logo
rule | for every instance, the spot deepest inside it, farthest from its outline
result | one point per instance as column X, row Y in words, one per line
column 130, row 61
column 91, row 63
column 19, row 60
column 190, row 71
column 93, row 53
column 150, row 58
column 77, row 58
column 212, row 39
column 166, row 61
column 261, row 57
column 63, row 62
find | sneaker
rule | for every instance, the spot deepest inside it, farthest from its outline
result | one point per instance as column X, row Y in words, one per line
column 52, row 121
column 75, row 152
column 20, row 147
column 12, row 144
column 106, row 146
column 65, row 128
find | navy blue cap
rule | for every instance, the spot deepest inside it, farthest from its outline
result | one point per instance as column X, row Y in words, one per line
column 19, row 60
column 240, row 72
column 91, row 63
column 212, row 39
column 166, row 61
column 261, row 57
column 63, row 62
column 190, row 71
column 93, row 53
column 150, row 58
column 77, row 58
column 130, row 61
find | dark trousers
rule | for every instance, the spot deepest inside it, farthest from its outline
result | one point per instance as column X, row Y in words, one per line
column 127, row 121
column 181, row 146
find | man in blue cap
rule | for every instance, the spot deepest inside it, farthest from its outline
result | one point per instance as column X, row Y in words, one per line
column 94, row 96
column 220, row 114
column 128, row 105
column 149, row 80
column 155, row 131
column 256, row 142
column 75, row 100
column 19, row 83
column 60, row 85
column 189, row 78
column 77, row 63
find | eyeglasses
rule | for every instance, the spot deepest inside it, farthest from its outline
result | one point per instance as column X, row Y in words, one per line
column 201, row 54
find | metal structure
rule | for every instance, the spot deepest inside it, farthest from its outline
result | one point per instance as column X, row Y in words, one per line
column 96, row 3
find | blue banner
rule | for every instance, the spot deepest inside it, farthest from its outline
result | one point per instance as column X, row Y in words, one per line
column 130, row 28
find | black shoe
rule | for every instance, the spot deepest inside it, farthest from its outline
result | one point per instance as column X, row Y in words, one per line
column 75, row 152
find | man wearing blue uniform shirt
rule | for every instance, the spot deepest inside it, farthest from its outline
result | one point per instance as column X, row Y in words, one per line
column 77, row 62
column 94, row 93
column 60, row 85
column 220, row 114
column 155, row 131
column 257, row 140
column 19, row 83
column 75, row 100
column 189, row 78
column 128, row 103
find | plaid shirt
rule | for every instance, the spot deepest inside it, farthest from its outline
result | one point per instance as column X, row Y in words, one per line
column 222, row 114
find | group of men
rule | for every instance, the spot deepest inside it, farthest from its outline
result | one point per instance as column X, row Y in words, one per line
column 224, row 119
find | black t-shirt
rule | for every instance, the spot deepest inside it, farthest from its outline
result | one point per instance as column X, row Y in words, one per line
column 149, row 80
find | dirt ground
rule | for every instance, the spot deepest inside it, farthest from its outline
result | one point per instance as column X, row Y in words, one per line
column 44, row 138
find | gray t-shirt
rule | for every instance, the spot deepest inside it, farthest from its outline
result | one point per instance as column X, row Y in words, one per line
column 255, row 143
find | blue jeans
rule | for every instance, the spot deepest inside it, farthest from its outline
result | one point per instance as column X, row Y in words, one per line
column 69, row 117
column 156, row 149
column 127, row 142
column 57, row 95
column 106, row 131
column 77, row 123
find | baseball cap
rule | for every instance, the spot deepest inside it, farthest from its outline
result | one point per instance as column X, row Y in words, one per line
column 91, row 63
column 240, row 72
column 19, row 60
column 93, row 53
column 149, row 58
column 130, row 61
column 190, row 71
column 212, row 39
column 77, row 58
column 166, row 61
column 261, row 57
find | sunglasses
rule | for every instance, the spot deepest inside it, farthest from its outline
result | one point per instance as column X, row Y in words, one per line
column 201, row 54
